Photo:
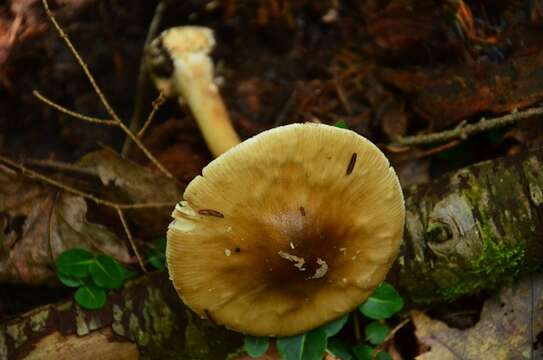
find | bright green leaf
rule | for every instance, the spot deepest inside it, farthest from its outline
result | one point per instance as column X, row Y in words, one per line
column 383, row 355
column 340, row 349
column 157, row 256
column 71, row 281
column 362, row 352
column 334, row 326
column 315, row 345
column 291, row 348
column 308, row 346
column 341, row 124
column 74, row 263
column 91, row 297
column 256, row 346
column 128, row 273
column 158, row 261
column 160, row 245
column 383, row 303
column 107, row 272
column 376, row 332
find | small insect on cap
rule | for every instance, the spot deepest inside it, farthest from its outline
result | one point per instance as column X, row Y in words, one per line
column 286, row 231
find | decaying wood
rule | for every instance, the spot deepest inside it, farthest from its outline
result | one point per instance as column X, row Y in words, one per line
column 445, row 97
column 473, row 229
column 96, row 345
column 467, row 231
column 145, row 320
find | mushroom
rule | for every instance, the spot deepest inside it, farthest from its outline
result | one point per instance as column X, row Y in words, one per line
column 284, row 232
column 179, row 64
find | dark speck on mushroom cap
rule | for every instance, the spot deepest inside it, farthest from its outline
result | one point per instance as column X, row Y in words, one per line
column 317, row 229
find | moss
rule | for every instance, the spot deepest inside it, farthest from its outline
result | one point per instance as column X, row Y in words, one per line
column 17, row 333
column 496, row 264
column 500, row 260
column 38, row 320
column 81, row 325
column 195, row 343
column 117, row 324
column 158, row 317
column 136, row 332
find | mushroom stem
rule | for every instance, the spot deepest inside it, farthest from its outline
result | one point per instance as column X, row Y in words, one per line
column 180, row 66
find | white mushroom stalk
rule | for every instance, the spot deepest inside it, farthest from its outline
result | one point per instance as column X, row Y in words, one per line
column 180, row 66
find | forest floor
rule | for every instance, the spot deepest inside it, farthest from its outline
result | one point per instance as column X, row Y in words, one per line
column 392, row 71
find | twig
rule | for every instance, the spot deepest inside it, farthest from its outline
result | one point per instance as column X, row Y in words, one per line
column 356, row 327
column 340, row 91
column 467, row 130
column 157, row 103
column 144, row 82
column 131, row 239
column 59, row 165
column 74, row 114
column 49, row 180
column 391, row 335
column 396, row 328
column 100, row 94
column 437, row 149
column 82, row 63
column 281, row 118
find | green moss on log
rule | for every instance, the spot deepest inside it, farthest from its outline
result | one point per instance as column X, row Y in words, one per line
column 473, row 230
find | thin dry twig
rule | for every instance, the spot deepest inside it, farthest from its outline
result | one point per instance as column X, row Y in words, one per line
column 157, row 103
column 101, row 96
column 131, row 240
column 144, row 82
column 81, row 62
column 59, row 165
column 51, row 181
column 74, row 114
column 356, row 326
column 343, row 99
column 390, row 335
column 463, row 132
column 397, row 328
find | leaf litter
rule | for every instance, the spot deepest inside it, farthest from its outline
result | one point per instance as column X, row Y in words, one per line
column 510, row 327
column 39, row 222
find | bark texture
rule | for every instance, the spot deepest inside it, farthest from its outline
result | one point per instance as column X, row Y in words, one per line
column 473, row 229
column 145, row 320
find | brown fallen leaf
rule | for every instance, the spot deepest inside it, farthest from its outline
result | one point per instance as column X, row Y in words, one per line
column 37, row 223
column 445, row 97
column 510, row 327
column 127, row 182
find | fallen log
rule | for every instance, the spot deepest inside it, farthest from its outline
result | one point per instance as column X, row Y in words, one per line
column 473, row 229
column 145, row 320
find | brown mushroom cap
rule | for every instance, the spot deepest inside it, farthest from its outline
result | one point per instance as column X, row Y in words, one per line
column 286, row 231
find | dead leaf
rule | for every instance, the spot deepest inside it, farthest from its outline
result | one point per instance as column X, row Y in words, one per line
column 127, row 182
column 510, row 327
column 37, row 223
column 138, row 183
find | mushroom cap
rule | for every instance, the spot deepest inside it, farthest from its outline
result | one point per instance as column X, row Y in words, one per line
column 286, row 231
